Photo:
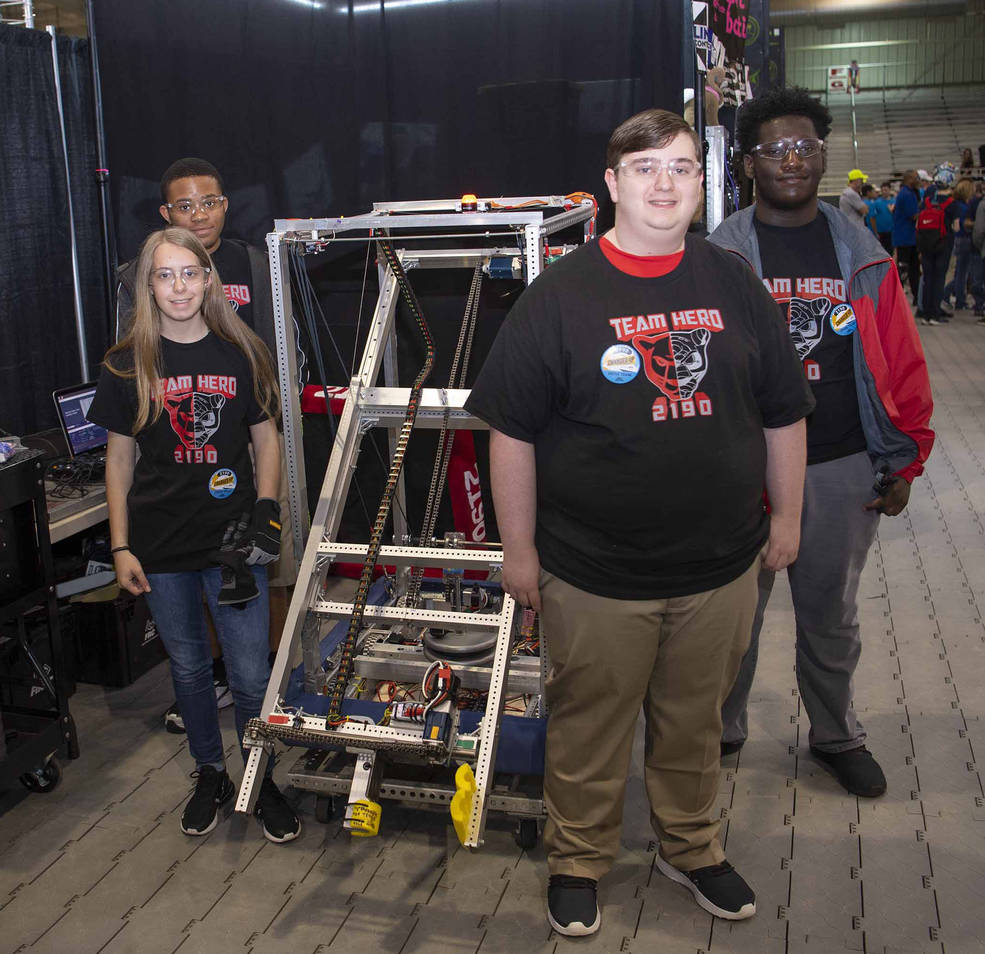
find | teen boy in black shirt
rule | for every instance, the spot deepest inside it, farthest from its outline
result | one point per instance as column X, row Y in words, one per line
column 852, row 327
column 640, row 395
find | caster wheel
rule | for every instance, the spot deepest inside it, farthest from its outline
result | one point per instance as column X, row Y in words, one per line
column 525, row 833
column 324, row 808
column 42, row 779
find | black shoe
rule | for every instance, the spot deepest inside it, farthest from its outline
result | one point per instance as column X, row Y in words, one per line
column 719, row 889
column 173, row 721
column 572, row 905
column 280, row 824
column 212, row 790
column 945, row 311
column 730, row 748
column 856, row 770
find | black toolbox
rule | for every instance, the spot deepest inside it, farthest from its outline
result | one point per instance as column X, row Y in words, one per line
column 117, row 641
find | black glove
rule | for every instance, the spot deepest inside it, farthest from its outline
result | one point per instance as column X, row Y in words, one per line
column 263, row 536
column 238, row 585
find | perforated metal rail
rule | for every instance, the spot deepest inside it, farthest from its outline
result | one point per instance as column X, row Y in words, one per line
column 338, row 688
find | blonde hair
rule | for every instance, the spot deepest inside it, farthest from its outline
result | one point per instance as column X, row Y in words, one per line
column 143, row 341
column 964, row 190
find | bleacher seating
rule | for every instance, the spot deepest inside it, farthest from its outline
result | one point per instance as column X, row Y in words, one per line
column 909, row 129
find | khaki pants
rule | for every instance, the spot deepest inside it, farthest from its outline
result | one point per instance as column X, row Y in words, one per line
column 677, row 658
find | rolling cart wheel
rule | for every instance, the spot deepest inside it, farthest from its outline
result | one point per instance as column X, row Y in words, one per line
column 525, row 833
column 324, row 808
column 42, row 779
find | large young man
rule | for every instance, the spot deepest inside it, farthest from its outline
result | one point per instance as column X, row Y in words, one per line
column 854, row 331
column 641, row 393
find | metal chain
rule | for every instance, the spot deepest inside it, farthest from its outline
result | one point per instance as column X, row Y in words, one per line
column 442, row 456
column 337, row 693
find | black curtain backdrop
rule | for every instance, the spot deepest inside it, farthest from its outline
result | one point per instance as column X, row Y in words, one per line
column 38, row 345
column 322, row 107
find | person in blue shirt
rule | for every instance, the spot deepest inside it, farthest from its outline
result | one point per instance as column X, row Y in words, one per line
column 905, row 212
column 881, row 216
column 960, row 216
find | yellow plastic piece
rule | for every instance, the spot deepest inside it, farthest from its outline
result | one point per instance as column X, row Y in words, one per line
column 463, row 801
column 364, row 818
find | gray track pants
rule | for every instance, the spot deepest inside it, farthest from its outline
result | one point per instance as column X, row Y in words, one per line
column 836, row 534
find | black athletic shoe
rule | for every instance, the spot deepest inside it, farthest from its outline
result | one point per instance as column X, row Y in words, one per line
column 173, row 721
column 719, row 889
column 945, row 311
column 280, row 824
column 856, row 770
column 212, row 790
column 730, row 748
column 572, row 905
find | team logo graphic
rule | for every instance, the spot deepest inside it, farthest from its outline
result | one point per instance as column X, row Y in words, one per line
column 807, row 323
column 675, row 361
column 194, row 416
column 237, row 295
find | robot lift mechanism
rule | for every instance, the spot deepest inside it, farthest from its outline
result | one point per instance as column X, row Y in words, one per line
column 404, row 639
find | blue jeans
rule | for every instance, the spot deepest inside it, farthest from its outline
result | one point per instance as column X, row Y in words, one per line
column 962, row 256
column 976, row 275
column 175, row 602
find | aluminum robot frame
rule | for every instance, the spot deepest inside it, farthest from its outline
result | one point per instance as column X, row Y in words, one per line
column 368, row 404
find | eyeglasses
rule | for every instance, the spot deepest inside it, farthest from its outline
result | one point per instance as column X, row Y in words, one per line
column 647, row 168
column 779, row 149
column 187, row 207
column 191, row 275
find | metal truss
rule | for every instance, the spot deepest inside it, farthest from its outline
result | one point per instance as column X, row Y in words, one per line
column 372, row 403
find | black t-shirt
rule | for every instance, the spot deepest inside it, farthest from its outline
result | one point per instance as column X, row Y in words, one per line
column 194, row 472
column 800, row 270
column 645, row 399
column 233, row 263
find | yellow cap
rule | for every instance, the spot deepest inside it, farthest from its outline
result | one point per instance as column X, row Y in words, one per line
column 857, row 174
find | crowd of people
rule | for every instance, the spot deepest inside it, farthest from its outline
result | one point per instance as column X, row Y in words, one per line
column 931, row 222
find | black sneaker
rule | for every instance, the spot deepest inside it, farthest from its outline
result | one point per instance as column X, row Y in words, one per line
column 280, row 824
column 945, row 311
column 856, row 770
column 572, row 905
column 719, row 889
column 223, row 697
column 173, row 721
column 212, row 790
column 730, row 748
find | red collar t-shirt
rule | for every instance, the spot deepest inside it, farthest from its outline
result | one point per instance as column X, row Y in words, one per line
column 640, row 266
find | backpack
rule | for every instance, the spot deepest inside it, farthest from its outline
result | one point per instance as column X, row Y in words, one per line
column 932, row 226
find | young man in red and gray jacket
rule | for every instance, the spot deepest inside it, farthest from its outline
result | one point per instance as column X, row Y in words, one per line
column 869, row 435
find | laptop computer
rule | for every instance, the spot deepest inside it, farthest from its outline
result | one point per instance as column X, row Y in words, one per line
column 73, row 489
column 84, row 439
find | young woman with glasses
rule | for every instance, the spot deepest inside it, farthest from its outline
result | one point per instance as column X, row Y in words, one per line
column 193, row 388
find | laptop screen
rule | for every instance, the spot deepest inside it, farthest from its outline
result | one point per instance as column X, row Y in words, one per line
column 73, row 405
